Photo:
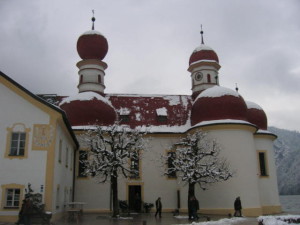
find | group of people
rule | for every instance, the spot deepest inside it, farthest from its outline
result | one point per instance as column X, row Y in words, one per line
column 193, row 207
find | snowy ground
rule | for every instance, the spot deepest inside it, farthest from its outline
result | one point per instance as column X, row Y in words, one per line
column 232, row 221
column 290, row 205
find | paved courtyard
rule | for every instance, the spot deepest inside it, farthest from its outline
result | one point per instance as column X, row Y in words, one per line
column 144, row 219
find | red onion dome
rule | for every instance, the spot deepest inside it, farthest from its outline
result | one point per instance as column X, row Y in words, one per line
column 92, row 45
column 256, row 115
column 203, row 52
column 88, row 108
column 218, row 103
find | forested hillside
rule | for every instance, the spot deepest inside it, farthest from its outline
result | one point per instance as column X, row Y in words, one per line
column 287, row 154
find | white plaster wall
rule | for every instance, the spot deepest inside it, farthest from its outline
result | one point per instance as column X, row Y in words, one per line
column 63, row 175
column 15, row 109
column 155, row 183
column 238, row 148
column 268, row 185
column 96, row 195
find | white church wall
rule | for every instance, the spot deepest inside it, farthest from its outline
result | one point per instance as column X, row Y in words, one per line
column 63, row 170
column 18, row 113
column 238, row 148
column 268, row 184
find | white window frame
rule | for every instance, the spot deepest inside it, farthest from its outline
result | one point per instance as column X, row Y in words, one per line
column 15, row 198
column 18, row 143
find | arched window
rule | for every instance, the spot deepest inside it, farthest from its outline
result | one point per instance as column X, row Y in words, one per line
column 99, row 79
column 17, row 141
column 208, row 78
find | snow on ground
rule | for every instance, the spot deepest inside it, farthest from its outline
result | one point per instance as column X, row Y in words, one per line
column 278, row 220
column 232, row 221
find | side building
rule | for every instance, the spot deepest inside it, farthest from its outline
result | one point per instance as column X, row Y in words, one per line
column 37, row 147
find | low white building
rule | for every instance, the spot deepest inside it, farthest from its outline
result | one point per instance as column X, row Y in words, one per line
column 37, row 147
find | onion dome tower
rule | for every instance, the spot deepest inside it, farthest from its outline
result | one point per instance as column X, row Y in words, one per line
column 218, row 103
column 256, row 115
column 89, row 106
column 92, row 47
column 204, row 67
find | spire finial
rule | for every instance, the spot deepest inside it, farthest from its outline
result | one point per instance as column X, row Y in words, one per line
column 93, row 20
column 236, row 87
column 201, row 32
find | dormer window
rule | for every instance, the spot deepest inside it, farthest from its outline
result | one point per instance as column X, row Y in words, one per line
column 162, row 114
column 124, row 114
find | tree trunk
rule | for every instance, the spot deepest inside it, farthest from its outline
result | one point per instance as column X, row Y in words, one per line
column 191, row 193
column 191, row 190
column 114, row 186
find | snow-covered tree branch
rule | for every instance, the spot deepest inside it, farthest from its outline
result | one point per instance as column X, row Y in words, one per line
column 196, row 160
column 113, row 151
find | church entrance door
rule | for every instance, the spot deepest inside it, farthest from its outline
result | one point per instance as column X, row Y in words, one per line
column 135, row 198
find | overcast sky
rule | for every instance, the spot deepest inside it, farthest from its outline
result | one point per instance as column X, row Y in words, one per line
column 150, row 42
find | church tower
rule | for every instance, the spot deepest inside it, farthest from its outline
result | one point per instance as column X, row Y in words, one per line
column 204, row 67
column 92, row 47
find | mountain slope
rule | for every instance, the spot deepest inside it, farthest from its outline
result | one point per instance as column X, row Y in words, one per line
column 287, row 154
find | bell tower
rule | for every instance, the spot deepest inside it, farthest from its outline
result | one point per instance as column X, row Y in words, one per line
column 204, row 67
column 92, row 47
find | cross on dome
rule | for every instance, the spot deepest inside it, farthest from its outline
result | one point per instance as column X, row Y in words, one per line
column 201, row 32
column 93, row 20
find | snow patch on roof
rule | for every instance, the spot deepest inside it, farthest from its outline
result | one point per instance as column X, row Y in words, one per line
column 252, row 105
column 202, row 47
column 203, row 60
column 85, row 96
column 173, row 99
column 138, row 116
column 217, row 91
column 92, row 32
column 124, row 111
column 260, row 131
column 226, row 121
column 162, row 111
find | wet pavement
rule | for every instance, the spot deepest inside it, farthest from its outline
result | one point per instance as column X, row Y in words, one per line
column 145, row 219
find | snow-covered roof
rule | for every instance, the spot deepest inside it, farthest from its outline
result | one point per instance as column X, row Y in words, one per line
column 226, row 121
column 85, row 96
column 162, row 111
column 252, row 105
column 143, row 110
column 218, row 91
column 91, row 32
column 124, row 111
column 202, row 47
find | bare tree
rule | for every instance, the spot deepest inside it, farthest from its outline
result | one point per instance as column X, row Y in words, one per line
column 195, row 159
column 111, row 150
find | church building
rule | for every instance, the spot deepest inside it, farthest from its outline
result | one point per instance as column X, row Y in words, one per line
column 238, row 125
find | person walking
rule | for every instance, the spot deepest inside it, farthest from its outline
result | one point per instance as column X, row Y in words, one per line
column 238, row 207
column 194, row 208
column 158, row 206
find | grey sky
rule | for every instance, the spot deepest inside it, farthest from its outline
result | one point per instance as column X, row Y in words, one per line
column 150, row 42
